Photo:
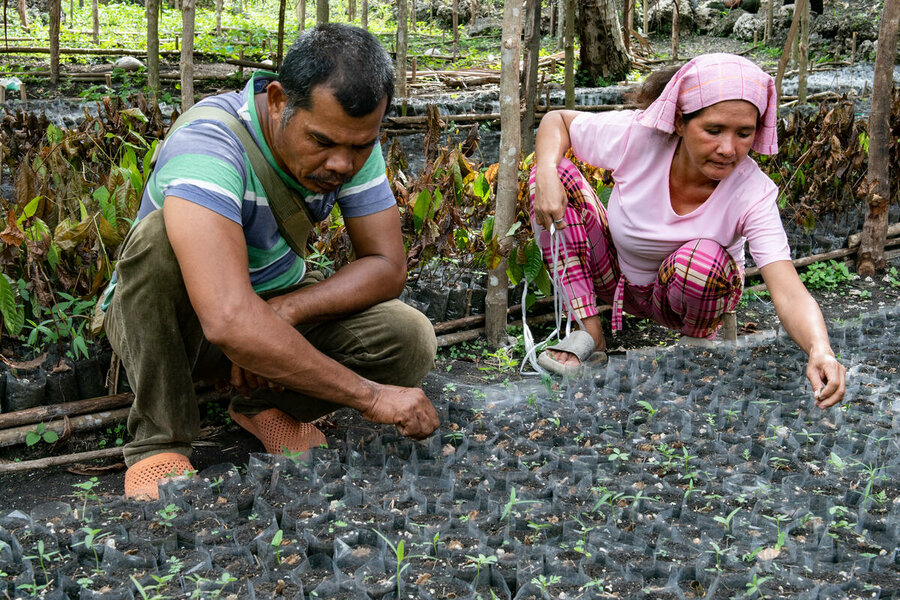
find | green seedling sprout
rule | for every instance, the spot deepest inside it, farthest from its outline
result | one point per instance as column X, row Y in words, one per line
column 481, row 561
column 617, row 455
column 400, row 557
column 151, row 592
column 538, row 527
column 166, row 516
column 435, row 541
column 39, row 433
column 651, row 412
column 86, row 493
column 91, row 537
column 44, row 558
column 779, row 520
column 511, row 504
column 718, row 552
column 544, row 582
column 726, row 521
column 753, row 587
column 276, row 545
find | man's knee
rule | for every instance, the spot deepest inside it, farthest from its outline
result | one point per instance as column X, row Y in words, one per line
column 415, row 340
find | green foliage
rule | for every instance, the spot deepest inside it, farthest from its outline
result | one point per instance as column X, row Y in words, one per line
column 826, row 276
column 41, row 433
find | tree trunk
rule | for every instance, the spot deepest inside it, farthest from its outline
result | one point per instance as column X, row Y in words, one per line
column 71, row 20
column 322, row 12
column 301, row 15
column 412, row 15
column 602, row 47
column 788, row 44
column 561, row 8
column 279, row 53
column 402, row 44
column 152, row 15
column 473, row 11
column 553, row 17
column 675, row 29
column 95, row 22
column 770, row 21
column 644, row 4
column 23, row 16
column 569, row 69
column 53, row 7
column 219, row 4
column 187, row 54
column 803, row 55
column 351, row 10
column 455, row 28
column 364, row 21
column 531, row 74
column 628, row 17
column 508, row 171
column 871, row 249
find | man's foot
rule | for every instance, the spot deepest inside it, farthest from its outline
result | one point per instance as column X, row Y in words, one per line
column 142, row 478
column 279, row 431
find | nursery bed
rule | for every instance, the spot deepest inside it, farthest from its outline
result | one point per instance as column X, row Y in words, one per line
column 671, row 473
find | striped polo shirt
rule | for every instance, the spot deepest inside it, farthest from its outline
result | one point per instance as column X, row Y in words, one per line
column 204, row 162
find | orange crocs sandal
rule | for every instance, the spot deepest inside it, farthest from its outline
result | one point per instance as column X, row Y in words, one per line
column 279, row 431
column 142, row 478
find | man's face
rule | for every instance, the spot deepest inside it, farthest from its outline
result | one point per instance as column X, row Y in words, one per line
column 322, row 147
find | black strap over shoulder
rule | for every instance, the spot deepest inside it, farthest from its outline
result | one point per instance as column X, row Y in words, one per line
column 291, row 213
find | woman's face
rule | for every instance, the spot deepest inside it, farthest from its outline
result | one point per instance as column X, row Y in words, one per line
column 718, row 139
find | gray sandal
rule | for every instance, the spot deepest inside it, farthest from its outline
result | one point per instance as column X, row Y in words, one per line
column 581, row 345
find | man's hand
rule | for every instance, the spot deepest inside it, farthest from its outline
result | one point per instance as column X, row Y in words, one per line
column 827, row 377
column 245, row 381
column 409, row 409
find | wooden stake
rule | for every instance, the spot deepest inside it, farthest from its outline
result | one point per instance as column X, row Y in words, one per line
column 187, row 55
column 788, row 44
column 22, row 94
column 729, row 326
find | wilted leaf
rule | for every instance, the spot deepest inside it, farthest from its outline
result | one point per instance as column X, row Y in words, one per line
column 12, row 235
column 69, row 234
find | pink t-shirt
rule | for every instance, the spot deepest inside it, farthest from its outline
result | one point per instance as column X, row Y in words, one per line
column 645, row 229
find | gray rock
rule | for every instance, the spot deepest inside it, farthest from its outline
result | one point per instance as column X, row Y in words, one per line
column 128, row 63
column 660, row 15
column 748, row 24
column 485, row 25
column 724, row 25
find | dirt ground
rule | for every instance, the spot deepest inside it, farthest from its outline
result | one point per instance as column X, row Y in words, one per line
column 224, row 442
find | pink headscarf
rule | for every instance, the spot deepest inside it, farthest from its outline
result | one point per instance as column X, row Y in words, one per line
column 712, row 78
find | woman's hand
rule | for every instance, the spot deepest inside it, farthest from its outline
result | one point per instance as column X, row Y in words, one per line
column 828, row 378
column 549, row 197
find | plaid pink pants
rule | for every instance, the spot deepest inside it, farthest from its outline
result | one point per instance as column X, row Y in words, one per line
column 695, row 285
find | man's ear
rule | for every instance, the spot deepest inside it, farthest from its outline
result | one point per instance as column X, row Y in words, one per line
column 276, row 99
column 679, row 123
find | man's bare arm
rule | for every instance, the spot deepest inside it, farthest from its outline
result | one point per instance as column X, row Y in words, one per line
column 212, row 255
column 378, row 274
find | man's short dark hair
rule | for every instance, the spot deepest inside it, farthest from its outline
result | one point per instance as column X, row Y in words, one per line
column 349, row 60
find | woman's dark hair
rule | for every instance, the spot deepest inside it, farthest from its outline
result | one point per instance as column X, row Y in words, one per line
column 349, row 60
column 654, row 85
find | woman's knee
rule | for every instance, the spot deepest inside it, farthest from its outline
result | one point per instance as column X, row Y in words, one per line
column 701, row 266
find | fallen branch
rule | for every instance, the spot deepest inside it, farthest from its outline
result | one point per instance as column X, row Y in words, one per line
column 540, row 112
column 89, row 422
column 55, row 461
column 466, row 322
column 31, row 416
column 471, row 334
column 808, row 260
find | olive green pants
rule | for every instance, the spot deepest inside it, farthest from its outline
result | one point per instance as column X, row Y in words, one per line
column 154, row 330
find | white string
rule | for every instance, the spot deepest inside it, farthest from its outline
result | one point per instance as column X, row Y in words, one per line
column 561, row 304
